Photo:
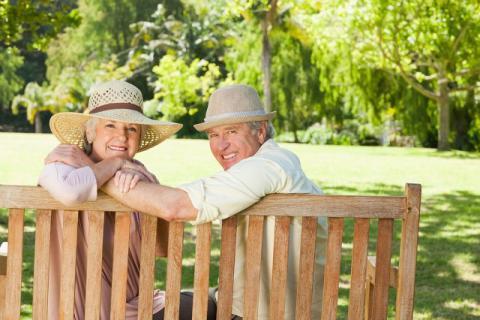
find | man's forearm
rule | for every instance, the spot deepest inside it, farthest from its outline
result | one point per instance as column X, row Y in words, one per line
column 171, row 204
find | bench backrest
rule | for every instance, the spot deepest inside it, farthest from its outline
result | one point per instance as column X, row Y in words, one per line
column 363, row 210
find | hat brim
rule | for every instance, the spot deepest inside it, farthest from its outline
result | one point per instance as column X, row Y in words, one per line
column 210, row 124
column 69, row 127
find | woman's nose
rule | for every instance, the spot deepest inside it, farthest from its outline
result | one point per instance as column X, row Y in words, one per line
column 122, row 134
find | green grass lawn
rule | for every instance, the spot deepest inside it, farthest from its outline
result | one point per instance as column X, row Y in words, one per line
column 448, row 268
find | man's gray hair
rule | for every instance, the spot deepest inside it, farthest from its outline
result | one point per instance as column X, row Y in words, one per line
column 255, row 125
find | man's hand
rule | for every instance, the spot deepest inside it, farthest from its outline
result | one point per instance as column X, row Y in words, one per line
column 69, row 154
column 127, row 179
column 139, row 167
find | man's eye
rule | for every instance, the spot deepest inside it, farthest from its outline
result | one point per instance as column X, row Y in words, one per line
column 232, row 131
column 109, row 125
column 132, row 129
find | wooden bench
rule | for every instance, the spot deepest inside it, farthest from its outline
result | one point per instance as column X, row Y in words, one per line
column 368, row 286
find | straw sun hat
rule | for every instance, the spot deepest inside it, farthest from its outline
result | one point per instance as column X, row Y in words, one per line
column 114, row 100
column 233, row 104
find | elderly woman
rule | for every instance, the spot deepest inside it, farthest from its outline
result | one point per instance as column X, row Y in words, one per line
column 106, row 139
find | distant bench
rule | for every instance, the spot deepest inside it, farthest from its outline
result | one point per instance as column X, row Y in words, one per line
column 370, row 276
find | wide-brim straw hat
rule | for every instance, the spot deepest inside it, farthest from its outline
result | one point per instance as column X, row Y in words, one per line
column 117, row 101
column 234, row 104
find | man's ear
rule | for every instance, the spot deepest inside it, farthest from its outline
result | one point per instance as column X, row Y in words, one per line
column 262, row 132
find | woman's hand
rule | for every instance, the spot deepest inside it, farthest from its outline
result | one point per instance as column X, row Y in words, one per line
column 69, row 154
column 126, row 179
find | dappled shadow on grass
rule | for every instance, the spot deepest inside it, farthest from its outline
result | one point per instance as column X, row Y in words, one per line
column 367, row 189
column 448, row 267
column 448, row 261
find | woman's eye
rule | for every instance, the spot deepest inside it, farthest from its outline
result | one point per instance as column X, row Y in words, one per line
column 109, row 125
column 132, row 129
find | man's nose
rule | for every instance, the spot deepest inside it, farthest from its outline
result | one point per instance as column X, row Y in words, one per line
column 223, row 144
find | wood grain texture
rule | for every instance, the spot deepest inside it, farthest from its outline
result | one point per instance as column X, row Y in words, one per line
column 359, row 268
column 174, row 270
column 371, row 267
column 41, row 264
column 3, row 280
column 306, row 269
column 39, row 198
column 408, row 253
column 14, row 264
column 202, row 271
column 274, row 204
column 147, row 266
column 252, row 267
column 279, row 268
column 382, row 270
column 331, row 206
column 332, row 268
column 68, row 260
column 120, row 265
column 94, row 264
column 161, row 248
column 226, row 268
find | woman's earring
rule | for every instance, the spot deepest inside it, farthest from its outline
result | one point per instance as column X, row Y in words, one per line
column 87, row 147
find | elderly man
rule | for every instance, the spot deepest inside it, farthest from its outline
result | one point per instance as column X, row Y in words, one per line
column 240, row 136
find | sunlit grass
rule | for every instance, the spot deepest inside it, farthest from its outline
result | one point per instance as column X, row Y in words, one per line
column 448, row 262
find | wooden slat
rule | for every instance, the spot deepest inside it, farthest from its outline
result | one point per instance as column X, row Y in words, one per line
column 3, row 280
column 359, row 268
column 94, row 264
column 332, row 268
column 41, row 264
column 147, row 266
column 306, row 268
column 38, row 198
column 14, row 264
column 252, row 267
column 226, row 268
column 202, row 272
column 120, row 265
column 274, row 204
column 69, row 255
column 279, row 268
column 408, row 253
column 371, row 267
column 161, row 247
column 382, row 271
column 332, row 206
column 174, row 270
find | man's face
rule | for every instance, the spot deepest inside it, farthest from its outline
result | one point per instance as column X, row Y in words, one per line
column 232, row 143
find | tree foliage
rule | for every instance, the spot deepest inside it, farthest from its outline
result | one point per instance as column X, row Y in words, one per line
column 350, row 71
column 182, row 89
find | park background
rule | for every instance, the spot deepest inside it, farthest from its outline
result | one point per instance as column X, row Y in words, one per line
column 370, row 95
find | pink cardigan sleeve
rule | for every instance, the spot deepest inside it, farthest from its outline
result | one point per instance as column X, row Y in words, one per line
column 68, row 184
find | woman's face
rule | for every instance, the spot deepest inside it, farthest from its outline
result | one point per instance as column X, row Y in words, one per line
column 115, row 139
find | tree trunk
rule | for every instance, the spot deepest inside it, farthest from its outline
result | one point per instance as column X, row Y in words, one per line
column 38, row 123
column 443, row 117
column 266, row 65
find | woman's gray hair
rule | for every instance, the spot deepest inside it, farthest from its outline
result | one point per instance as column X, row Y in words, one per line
column 255, row 126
